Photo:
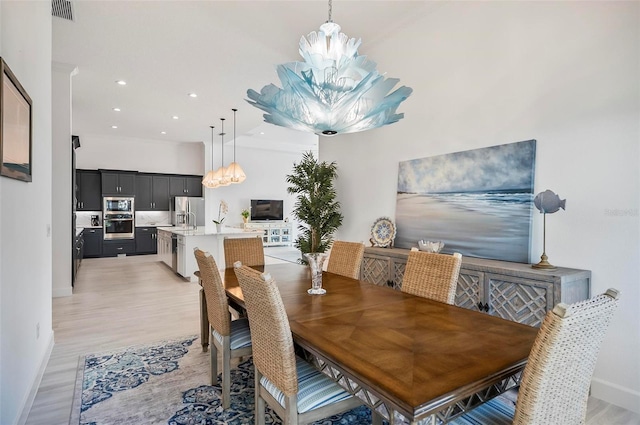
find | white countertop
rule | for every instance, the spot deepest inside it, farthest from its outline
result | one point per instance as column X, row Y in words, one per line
column 201, row 231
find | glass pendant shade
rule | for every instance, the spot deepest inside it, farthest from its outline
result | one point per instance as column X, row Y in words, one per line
column 235, row 173
column 333, row 91
column 209, row 181
column 220, row 178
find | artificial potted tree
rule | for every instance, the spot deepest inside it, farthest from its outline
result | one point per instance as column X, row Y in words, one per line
column 316, row 206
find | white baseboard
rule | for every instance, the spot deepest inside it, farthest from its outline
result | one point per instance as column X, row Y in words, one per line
column 62, row 292
column 616, row 394
column 36, row 384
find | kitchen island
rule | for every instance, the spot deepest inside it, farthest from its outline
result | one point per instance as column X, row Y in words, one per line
column 182, row 260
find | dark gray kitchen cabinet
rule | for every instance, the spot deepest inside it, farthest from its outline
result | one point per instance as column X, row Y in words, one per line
column 77, row 254
column 152, row 192
column 118, row 183
column 88, row 190
column 185, row 186
column 146, row 240
column 113, row 248
column 194, row 185
column 92, row 242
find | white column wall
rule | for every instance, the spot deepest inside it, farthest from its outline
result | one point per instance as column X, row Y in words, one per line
column 25, row 218
column 61, row 182
column 488, row 73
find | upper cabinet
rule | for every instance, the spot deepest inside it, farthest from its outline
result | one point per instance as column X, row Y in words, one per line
column 185, row 186
column 152, row 192
column 118, row 183
column 88, row 193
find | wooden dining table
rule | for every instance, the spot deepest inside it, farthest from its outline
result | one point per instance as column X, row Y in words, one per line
column 409, row 358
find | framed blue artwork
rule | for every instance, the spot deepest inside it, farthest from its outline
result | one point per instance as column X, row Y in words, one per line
column 15, row 127
column 478, row 202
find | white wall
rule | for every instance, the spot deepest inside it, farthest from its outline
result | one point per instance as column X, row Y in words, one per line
column 61, row 190
column 488, row 73
column 25, row 217
column 153, row 156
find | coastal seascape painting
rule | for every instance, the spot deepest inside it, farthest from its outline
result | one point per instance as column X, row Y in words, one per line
column 478, row 202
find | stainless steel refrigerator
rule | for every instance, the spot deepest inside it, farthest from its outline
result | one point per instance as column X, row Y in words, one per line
column 187, row 211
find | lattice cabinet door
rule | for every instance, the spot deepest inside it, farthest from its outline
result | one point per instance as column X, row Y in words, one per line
column 376, row 270
column 399, row 267
column 470, row 290
column 520, row 300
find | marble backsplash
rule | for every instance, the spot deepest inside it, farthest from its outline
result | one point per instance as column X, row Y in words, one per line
column 153, row 218
column 83, row 218
column 143, row 218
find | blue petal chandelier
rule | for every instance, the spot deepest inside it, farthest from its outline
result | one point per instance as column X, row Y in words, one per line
column 334, row 91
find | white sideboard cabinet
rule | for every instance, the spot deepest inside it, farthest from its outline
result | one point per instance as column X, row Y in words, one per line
column 513, row 291
column 273, row 233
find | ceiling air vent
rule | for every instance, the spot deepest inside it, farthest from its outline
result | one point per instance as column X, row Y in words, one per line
column 62, row 9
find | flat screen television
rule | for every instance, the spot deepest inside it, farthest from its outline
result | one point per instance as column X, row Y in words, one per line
column 266, row 209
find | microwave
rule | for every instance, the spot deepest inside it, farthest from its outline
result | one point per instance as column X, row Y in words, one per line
column 117, row 204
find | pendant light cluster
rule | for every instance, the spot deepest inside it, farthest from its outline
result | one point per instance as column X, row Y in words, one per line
column 224, row 176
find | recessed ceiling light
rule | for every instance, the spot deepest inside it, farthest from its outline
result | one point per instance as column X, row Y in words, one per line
column 114, row 126
column 193, row 95
column 163, row 132
column 175, row 117
column 116, row 109
column 262, row 132
column 121, row 82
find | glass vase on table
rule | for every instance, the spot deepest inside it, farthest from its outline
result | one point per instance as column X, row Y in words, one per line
column 316, row 260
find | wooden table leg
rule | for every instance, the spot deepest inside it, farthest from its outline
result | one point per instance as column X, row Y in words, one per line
column 204, row 322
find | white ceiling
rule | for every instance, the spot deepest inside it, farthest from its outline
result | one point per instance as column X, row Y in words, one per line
column 217, row 49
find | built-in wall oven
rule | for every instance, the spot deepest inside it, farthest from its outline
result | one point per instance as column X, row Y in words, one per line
column 118, row 217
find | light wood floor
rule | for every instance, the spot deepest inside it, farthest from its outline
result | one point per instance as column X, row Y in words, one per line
column 119, row 302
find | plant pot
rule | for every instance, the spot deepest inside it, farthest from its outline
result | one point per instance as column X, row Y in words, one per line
column 219, row 227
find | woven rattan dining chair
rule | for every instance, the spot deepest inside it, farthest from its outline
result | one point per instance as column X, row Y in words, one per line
column 433, row 276
column 345, row 259
column 555, row 382
column 249, row 251
column 295, row 390
column 232, row 338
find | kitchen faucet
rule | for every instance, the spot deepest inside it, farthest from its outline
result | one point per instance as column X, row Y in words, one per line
column 189, row 214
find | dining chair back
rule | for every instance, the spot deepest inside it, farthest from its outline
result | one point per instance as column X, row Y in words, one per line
column 555, row 383
column 345, row 259
column 295, row 390
column 231, row 338
column 431, row 275
column 249, row 251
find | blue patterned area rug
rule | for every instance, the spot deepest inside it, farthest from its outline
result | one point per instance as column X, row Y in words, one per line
column 166, row 383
